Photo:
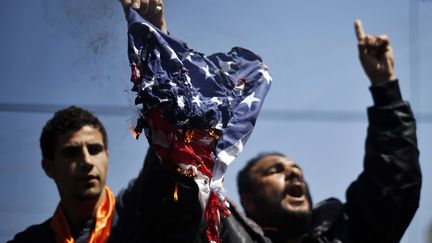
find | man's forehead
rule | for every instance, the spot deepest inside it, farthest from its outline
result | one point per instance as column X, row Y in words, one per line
column 270, row 160
column 84, row 134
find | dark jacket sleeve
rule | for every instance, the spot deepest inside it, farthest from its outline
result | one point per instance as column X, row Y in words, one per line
column 147, row 211
column 36, row 233
column 383, row 200
column 237, row 228
column 126, row 226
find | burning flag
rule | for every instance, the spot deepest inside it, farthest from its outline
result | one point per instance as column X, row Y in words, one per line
column 197, row 111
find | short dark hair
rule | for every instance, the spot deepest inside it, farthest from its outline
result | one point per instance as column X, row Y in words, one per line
column 244, row 182
column 70, row 119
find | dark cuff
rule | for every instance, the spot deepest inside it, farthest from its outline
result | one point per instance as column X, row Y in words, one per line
column 386, row 94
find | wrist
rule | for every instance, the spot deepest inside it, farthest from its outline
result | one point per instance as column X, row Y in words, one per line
column 386, row 93
column 381, row 80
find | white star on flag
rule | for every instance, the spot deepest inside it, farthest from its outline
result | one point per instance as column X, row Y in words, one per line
column 188, row 56
column 188, row 80
column 172, row 83
column 148, row 84
column 219, row 125
column 250, row 99
column 206, row 71
column 226, row 67
column 216, row 100
column 197, row 100
column 180, row 102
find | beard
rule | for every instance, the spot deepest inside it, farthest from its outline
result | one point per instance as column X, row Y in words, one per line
column 291, row 223
column 275, row 215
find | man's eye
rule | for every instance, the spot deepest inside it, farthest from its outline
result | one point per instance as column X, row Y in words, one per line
column 94, row 149
column 271, row 171
column 71, row 152
column 275, row 169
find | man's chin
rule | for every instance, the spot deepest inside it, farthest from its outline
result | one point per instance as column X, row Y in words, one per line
column 89, row 194
column 303, row 210
column 294, row 222
column 295, row 204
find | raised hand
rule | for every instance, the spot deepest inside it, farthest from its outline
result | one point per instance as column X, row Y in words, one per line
column 151, row 10
column 376, row 56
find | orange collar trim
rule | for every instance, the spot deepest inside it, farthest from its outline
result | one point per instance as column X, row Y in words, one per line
column 102, row 229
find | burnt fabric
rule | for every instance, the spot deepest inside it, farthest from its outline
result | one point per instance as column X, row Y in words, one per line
column 197, row 111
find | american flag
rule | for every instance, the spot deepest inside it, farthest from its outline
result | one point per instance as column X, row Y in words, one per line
column 197, row 111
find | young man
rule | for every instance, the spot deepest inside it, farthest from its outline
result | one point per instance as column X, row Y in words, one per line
column 380, row 203
column 74, row 149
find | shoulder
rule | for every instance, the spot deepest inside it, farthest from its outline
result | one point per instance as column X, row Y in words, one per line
column 36, row 233
column 239, row 228
column 325, row 214
column 330, row 221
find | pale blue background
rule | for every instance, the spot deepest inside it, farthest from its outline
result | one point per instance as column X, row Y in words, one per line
column 67, row 52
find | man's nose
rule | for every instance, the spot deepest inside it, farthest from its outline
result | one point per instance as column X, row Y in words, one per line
column 86, row 158
column 292, row 173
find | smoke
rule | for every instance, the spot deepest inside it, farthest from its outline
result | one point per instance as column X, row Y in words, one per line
column 95, row 27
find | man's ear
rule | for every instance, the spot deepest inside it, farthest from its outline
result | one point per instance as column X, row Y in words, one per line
column 247, row 201
column 48, row 167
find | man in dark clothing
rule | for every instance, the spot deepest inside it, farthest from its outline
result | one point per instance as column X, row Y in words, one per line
column 74, row 150
column 380, row 203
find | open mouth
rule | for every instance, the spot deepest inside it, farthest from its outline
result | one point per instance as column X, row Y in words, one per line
column 295, row 190
column 296, row 196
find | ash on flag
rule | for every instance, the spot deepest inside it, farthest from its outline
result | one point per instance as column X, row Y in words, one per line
column 197, row 111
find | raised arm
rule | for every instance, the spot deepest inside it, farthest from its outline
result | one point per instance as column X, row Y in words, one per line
column 383, row 200
column 151, row 10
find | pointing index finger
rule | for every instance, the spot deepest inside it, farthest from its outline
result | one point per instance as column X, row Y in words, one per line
column 359, row 30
